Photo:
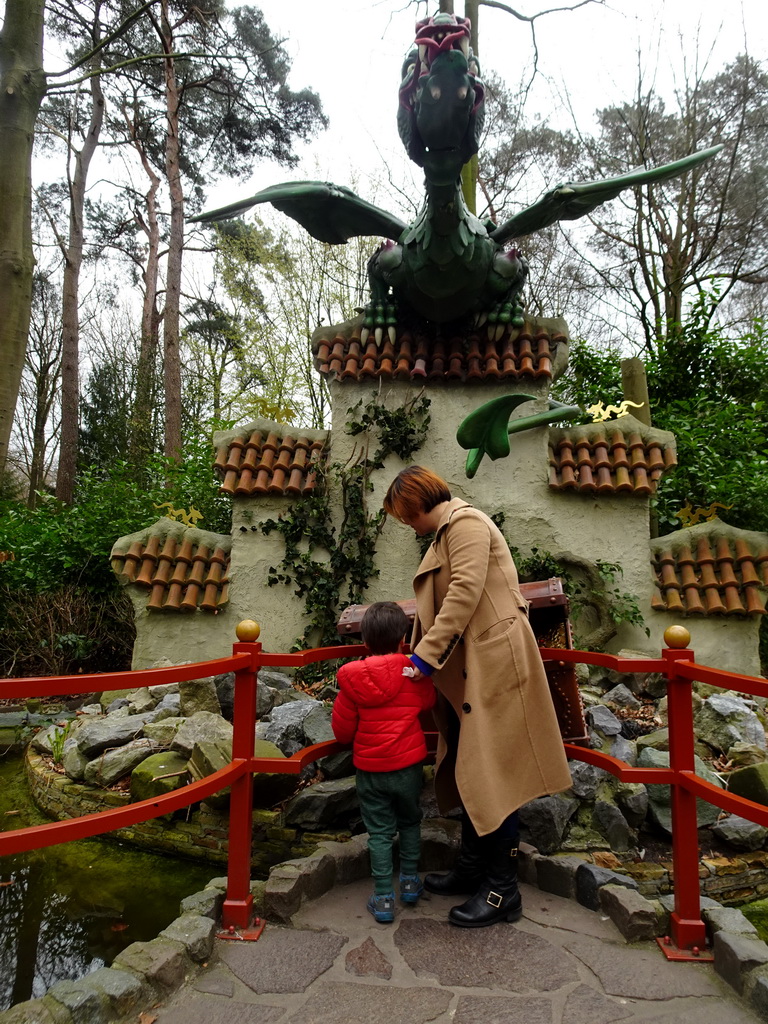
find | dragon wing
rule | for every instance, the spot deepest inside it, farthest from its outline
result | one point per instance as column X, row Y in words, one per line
column 569, row 201
column 330, row 213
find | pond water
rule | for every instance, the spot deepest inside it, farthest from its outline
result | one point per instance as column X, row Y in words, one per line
column 72, row 908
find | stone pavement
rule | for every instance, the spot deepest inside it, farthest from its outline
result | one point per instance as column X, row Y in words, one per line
column 560, row 964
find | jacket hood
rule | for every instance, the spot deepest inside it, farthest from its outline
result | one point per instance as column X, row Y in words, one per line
column 374, row 680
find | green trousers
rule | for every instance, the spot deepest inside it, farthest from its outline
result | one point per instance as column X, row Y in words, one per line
column 390, row 804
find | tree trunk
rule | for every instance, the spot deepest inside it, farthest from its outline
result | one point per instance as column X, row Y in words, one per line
column 22, row 87
column 70, row 302
column 171, row 354
column 141, row 433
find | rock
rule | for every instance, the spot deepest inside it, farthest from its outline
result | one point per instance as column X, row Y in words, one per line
column 290, row 696
column 755, row 915
column 41, row 741
column 659, row 796
column 736, row 956
column 611, row 823
column 317, row 729
column 621, row 697
column 199, row 695
column 141, row 701
column 286, row 726
column 557, row 875
column 659, row 740
column 731, row 919
column 162, row 690
column 163, row 732
column 203, row 725
column 266, row 698
column 72, row 761
column 623, row 749
column 117, row 703
column 582, row 674
column 740, row 833
column 225, row 693
column 724, row 719
column 604, row 721
column 124, row 992
column 195, row 933
column 633, row 915
column 632, row 799
column 337, row 766
column 93, row 737
column 585, row 779
column 655, row 685
column 322, row 804
column 163, row 962
column 269, row 788
column 157, row 774
column 367, row 961
column 168, row 707
column 207, row 757
column 291, row 882
column 36, row 1011
column 112, row 765
column 543, row 821
column 277, row 680
column 317, row 724
column 352, row 860
column 109, row 696
column 590, row 879
column 633, row 681
column 206, row 903
column 742, row 754
column 86, row 1005
column 750, row 782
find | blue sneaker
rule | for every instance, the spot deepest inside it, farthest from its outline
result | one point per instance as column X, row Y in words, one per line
column 382, row 907
column 410, row 888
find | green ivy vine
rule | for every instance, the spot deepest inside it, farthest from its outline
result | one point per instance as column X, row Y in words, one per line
column 344, row 572
column 589, row 585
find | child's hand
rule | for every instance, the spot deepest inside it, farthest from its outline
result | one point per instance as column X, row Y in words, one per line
column 412, row 672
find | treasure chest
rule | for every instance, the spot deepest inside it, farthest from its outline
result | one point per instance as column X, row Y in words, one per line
column 548, row 615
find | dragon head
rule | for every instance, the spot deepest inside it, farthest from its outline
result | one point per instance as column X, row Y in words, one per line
column 441, row 108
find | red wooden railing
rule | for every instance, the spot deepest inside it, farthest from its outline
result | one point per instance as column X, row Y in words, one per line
column 676, row 664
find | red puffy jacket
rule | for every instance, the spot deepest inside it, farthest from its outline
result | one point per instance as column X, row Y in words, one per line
column 377, row 711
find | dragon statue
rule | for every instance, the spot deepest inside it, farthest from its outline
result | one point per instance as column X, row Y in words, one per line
column 448, row 264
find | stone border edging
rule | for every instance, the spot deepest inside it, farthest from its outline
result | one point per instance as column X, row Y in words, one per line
column 145, row 972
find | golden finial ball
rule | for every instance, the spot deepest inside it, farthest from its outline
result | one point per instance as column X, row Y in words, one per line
column 248, row 631
column 677, row 637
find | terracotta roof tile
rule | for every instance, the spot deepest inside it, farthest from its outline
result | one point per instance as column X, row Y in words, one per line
column 182, row 568
column 618, row 457
column 710, row 569
column 266, row 458
column 520, row 353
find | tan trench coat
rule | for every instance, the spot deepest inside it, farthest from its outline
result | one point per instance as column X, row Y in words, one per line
column 472, row 626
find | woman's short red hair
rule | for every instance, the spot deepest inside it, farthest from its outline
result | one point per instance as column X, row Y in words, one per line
column 415, row 490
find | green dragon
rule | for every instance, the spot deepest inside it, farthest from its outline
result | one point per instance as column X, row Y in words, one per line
column 448, row 264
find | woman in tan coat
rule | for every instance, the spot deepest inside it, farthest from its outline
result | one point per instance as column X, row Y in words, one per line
column 499, row 744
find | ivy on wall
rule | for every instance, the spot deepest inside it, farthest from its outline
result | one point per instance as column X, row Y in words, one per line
column 327, row 565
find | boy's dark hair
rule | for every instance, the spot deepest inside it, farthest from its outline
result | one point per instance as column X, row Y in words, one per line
column 384, row 625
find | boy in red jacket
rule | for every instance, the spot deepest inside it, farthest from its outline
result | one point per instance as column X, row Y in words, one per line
column 377, row 711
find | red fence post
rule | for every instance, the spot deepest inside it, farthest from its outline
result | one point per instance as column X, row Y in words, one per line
column 687, row 927
column 237, row 909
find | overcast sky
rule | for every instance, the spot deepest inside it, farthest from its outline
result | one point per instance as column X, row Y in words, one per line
column 350, row 52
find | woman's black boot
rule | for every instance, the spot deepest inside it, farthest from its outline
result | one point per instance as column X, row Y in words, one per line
column 468, row 871
column 498, row 898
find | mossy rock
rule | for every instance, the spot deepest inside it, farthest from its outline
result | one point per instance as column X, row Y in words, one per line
column 750, row 782
column 157, row 775
column 757, row 914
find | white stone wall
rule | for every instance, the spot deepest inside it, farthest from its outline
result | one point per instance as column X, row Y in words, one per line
column 611, row 529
